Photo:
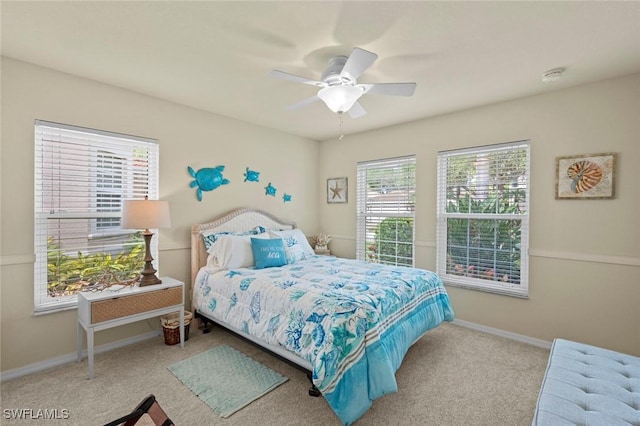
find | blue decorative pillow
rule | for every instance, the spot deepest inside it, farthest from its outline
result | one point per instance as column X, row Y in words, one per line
column 268, row 252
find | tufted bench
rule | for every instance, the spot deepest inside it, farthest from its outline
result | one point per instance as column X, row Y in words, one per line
column 586, row 385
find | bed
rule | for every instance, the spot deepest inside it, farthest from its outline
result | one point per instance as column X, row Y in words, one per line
column 348, row 323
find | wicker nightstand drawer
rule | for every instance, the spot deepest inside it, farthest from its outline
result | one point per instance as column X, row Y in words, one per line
column 105, row 310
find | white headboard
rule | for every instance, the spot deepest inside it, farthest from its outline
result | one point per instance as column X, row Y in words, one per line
column 239, row 220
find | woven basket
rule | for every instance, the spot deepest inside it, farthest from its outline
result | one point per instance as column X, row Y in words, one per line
column 172, row 335
column 171, row 327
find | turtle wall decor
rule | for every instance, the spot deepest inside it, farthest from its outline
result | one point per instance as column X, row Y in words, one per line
column 270, row 190
column 251, row 176
column 207, row 179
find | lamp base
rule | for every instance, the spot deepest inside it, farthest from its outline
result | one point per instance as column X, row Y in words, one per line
column 149, row 279
column 148, row 273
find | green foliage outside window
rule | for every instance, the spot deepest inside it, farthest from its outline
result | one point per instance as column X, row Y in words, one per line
column 66, row 275
column 485, row 186
column 393, row 242
column 485, row 248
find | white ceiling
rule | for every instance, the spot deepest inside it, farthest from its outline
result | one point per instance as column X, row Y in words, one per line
column 215, row 56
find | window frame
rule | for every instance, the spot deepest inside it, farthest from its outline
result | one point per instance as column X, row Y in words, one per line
column 520, row 289
column 406, row 198
column 95, row 143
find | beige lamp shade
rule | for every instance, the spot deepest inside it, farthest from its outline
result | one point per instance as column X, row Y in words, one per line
column 145, row 214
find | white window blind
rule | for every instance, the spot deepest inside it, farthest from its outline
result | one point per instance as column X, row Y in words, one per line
column 386, row 209
column 483, row 218
column 81, row 178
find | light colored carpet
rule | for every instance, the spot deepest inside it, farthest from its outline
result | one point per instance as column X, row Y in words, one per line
column 226, row 379
column 452, row 376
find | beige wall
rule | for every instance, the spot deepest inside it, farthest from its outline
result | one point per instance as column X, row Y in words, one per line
column 595, row 299
column 187, row 137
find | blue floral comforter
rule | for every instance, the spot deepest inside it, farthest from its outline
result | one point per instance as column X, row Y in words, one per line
column 352, row 321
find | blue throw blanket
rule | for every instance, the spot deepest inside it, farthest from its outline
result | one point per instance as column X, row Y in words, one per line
column 352, row 321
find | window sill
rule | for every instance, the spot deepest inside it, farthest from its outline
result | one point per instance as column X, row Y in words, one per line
column 55, row 308
column 501, row 291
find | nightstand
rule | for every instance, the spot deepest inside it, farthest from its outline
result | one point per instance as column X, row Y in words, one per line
column 106, row 309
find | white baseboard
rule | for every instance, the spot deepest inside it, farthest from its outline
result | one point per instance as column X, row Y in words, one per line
column 502, row 333
column 72, row 357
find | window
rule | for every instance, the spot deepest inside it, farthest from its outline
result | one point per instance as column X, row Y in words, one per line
column 386, row 205
column 81, row 178
column 483, row 218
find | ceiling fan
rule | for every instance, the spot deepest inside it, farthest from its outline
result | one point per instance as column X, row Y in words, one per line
column 340, row 90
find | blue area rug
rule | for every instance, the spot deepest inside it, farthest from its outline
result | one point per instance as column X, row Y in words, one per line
column 226, row 379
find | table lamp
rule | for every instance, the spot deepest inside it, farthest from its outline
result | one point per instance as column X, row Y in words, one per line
column 145, row 214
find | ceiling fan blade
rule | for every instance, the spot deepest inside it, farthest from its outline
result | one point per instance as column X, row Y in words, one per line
column 357, row 110
column 393, row 89
column 358, row 62
column 303, row 103
column 291, row 77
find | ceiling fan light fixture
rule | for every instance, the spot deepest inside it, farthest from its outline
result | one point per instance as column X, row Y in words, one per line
column 340, row 98
column 340, row 89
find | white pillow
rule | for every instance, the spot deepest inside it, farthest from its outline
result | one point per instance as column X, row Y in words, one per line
column 232, row 251
column 210, row 237
column 296, row 245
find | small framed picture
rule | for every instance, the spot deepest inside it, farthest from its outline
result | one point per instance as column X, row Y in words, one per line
column 582, row 177
column 337, row 190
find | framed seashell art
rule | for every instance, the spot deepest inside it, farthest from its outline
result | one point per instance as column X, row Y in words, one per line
column 581, row 177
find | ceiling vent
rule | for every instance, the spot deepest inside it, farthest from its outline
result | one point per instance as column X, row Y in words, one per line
column 552, row 75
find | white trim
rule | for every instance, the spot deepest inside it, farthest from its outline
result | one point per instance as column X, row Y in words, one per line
column 505, row 146
column 401, row 161
column 61, row 304
column 583, row 257
column 495, row 288
column 73, row 356
column 106, row 133
column 503, row 333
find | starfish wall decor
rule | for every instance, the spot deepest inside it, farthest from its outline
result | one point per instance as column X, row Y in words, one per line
column 337, row 190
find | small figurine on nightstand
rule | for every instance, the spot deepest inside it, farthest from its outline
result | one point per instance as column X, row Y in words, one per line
column 321, row 242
